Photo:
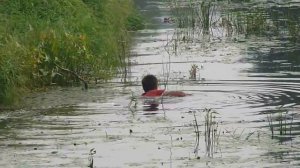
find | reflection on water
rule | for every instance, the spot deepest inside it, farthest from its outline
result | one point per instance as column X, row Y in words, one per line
column 253, row 85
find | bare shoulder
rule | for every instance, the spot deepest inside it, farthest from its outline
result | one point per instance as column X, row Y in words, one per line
column 175, row 94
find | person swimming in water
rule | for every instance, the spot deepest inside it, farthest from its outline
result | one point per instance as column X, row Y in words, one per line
column 152, row 94
column 150, row 86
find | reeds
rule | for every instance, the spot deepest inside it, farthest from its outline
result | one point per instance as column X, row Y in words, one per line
column 211, row 131
column 193, row 72
column 91, row 158
column 197, row 132
column 284, row 123
column 196, row 19
column 193, row 18
column 133, row 103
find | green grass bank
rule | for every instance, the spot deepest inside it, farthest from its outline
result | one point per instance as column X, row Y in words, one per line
column 46, row 42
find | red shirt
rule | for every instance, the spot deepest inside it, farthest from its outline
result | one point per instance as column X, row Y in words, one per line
column 154, row 93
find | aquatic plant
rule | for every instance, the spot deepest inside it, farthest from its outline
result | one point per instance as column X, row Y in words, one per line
column 294, row 30
column 270, row 121
column 256, row 22
column 235, row 135
column 283, row 127
column 133, row 103
column 250, row 134
column 197, row 132
column 91, row 157
column 196, row 19
column 205, row 16
column 193, row 71
column 171, row 153
column 193, row 18
column 211, row 131
column 268, row 22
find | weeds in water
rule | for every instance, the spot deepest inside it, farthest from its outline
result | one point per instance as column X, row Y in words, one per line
column 197, row 132
column 211, row 131
column 133, row 100
column 270, row 121
column 171, row 153
column 249, row 135
column 133, row 103
column 205, row 16
column 283, row 127
column 106, row 135
column 91, row 158
column 124, row 56
column 255, row 22
column 199, row 18
column 193, row 71
column 194, row 14
column 234, row 134
column 267, row 22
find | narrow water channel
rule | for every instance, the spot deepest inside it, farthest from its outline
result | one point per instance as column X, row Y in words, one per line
column 252, row 87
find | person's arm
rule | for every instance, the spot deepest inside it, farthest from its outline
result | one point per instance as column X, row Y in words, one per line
column 174, row 93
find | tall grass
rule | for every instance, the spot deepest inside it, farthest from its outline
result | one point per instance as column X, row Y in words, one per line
column 12, row 68
column 40, row 40
column 198, row 17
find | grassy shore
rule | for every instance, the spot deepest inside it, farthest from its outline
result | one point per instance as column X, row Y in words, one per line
column 46, row 42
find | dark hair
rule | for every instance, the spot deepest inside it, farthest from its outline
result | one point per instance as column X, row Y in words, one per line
column 149, row 82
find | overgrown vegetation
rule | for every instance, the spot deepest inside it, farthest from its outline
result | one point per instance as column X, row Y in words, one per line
column 45, row 42
column 197, row 18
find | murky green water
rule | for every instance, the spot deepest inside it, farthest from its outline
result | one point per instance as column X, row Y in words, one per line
column 245, row 80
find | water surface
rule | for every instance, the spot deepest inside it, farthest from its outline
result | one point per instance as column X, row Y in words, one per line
column 252, row 84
